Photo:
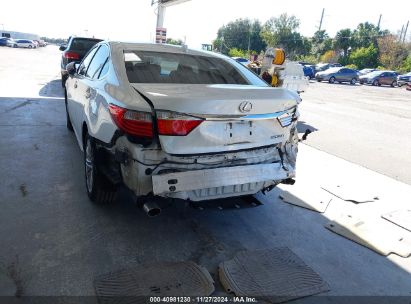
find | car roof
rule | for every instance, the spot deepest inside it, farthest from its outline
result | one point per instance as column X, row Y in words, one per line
column 156, row 47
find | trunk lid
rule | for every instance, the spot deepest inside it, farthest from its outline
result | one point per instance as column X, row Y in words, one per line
column 227, row 126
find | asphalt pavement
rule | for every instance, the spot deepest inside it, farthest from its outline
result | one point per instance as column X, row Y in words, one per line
column 58, row 242
column 366, row 125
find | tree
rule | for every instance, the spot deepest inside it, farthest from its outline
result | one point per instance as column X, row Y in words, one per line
column 175, row 42
column 321, row 43
column 366, row 33
column 282, row 32
column 242, row 34
column 365, row 57
column 343, row 41
column 391, row 52
column 329, row 56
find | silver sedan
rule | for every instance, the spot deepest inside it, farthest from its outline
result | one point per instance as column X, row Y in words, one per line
column 172, row 122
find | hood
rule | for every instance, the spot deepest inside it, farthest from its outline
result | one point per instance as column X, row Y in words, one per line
column 221, row 99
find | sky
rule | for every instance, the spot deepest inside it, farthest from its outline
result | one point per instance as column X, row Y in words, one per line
column 195, row 21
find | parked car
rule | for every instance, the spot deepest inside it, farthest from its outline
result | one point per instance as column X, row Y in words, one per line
column 24, row 43
column 4, row 41
column 366, row 71
column 325, row 66
column 308, row 71
column 241, row 60
column 75, row 49
column 11, row 43
column 378, row 78
column 338, row 74
column 173, row 122
column 404, row 79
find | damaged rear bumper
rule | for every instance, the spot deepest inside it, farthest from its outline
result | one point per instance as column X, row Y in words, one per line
column 219, row 181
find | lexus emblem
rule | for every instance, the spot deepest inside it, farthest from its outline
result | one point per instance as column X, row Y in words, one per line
column 245, row 106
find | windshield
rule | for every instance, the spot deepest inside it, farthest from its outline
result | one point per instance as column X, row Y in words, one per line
column 161, row 67
column 332, row 70
column 83, row 44
column 373, row 74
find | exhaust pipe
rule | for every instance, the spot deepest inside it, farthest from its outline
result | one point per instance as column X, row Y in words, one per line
column 152, row 209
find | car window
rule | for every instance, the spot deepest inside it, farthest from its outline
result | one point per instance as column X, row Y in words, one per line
column 86, row 61
column 98, row 62
column 83, row 44
column 162, row 67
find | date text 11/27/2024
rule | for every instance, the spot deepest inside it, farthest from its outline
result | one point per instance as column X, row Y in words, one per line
column 202, row 300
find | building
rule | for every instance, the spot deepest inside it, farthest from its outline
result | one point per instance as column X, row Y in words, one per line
column 19, row 35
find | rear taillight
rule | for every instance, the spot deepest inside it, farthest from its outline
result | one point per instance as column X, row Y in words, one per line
column 132, row 122
column 72, row 55
column 176, row 124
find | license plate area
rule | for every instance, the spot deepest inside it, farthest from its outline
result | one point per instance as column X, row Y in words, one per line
column 239, row 131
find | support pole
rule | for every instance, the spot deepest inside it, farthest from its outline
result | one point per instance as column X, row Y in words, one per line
column 405, row 33
column 321, row 21
column 379, row 21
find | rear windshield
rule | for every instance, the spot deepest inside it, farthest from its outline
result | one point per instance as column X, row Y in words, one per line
column 83, row 44
column 160, row 67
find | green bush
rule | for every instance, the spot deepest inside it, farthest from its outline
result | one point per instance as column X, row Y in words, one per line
column 381, row 68
column 351, row 66
column 406, row 65
column 234, row 52
column 365, row 57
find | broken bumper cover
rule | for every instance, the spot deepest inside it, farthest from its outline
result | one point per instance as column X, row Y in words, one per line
column 220, row 182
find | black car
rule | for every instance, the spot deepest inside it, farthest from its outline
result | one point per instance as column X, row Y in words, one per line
column 75, row 49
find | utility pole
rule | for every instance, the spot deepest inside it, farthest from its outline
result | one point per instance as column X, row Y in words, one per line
column 402, row 30
column 321, row 21
column 405, row 33
column 249, row 40
column 379, row 21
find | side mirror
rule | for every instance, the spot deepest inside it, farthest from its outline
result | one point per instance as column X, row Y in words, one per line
column 62, row 47
column 71, row 68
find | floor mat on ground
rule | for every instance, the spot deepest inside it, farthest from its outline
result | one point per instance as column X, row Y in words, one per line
column 401, row 218
column 133, row 285
column 371, row 234
column 274, row 275
column 353, row 193
column 313, row 198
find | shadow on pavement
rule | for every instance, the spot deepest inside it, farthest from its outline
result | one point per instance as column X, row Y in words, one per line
column 52, row 89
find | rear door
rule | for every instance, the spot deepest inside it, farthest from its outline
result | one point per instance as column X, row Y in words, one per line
column 77, row 93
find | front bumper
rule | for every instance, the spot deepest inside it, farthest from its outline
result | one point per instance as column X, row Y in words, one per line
column 214, row 182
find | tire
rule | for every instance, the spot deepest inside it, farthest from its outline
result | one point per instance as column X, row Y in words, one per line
column 394, row 84
column 376, row 82
column 353, row 81
column 99, row 189
column 68, row 120
column 332, row 79
column 30, row 46
column 15, row 46
column 318, row 80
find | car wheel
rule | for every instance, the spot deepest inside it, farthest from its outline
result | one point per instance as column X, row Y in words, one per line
column 30, row 47
column 376, row 82
column 353, row 81
column 15, row 46
column 331, row 80
column 394, row 84
column 99, row 189
column 319, row 80
column 68, row 120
